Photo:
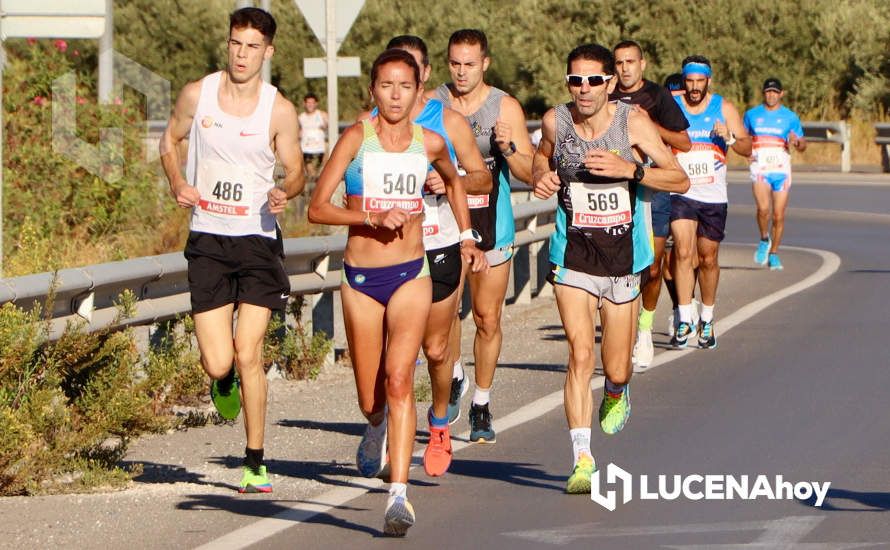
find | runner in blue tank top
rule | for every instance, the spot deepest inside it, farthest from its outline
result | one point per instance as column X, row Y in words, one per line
column 591, row 154
column 698, row 217
column 238, row 126
column 499, row 124
column 776, row 129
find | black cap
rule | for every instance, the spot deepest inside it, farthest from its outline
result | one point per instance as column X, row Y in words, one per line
column 772, row 84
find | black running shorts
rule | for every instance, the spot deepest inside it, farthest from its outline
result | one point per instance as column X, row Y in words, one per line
column 233, row 270
column 711, row 217
column 445, row 266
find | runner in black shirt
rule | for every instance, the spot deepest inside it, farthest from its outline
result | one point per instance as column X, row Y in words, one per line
column 663, row 110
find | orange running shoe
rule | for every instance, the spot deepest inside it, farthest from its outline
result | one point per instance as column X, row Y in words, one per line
column 437, row 456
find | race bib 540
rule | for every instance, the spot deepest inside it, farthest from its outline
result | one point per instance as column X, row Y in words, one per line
column 393, row 180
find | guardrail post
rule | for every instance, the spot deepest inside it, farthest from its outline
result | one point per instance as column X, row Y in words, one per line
column 845, row 147
column 522, row 269
column 323, row 313
column 541, row 252
column 885, row 157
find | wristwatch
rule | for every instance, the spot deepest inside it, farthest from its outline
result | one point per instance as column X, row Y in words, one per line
column 470, row 234
column 639, row 173
column 509, row 152
column 731, row 140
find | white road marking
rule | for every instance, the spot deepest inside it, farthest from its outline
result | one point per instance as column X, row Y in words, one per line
column 777, row 534
column 301, row 511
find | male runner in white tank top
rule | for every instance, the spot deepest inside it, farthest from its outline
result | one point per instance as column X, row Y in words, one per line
column 313, row 135
column 236, row 125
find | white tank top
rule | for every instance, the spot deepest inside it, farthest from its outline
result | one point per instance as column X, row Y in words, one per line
column 312, row 136
column 231, row 163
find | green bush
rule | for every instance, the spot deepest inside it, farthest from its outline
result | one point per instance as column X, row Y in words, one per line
column 299, row 354
column 68, row 408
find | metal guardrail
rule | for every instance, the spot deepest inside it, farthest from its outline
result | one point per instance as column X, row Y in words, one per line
column 822, row 131
column 160, row 283
column 882, row 138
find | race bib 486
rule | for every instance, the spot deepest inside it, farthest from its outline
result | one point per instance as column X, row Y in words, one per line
column 226, row 189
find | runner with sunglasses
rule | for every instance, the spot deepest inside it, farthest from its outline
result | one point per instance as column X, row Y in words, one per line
column 591, row 155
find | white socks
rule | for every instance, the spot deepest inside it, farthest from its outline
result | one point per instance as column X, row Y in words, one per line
column 458, row 370
column 480, row 396
column 580, row 443
column 707, row 313
column 398, row 490
column 685, row 313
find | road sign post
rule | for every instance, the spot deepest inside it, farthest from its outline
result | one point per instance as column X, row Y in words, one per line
column 330, row 20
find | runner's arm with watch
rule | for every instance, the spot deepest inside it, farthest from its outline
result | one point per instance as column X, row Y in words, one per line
column 511, row 136
column 667, row 175
column 738, row 137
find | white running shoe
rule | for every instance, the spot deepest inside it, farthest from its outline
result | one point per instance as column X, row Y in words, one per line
column 644, row 351
column 370, row 458
column 399, row 516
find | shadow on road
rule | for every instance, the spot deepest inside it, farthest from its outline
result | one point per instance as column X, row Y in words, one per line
column 154, row 473
column 874, row 501
column 516, row 473
column 348, row 428
column 268, row 508
column 530, row 366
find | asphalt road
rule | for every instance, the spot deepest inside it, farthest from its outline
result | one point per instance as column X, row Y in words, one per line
column 797, row 388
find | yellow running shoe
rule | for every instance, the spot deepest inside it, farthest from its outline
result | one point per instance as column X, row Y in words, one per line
column 614, row 411
column 579, row 481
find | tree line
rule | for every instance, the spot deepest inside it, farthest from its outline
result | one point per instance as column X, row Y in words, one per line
column 833, row 56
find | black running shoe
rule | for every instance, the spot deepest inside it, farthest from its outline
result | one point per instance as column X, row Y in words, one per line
column 480, row 424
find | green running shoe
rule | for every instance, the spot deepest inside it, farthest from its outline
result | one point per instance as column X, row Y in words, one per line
column 255, row 481
column 614, row 411
column 228, row 405
column 579, row 481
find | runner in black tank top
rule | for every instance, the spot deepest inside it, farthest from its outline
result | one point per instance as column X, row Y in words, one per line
column 589, row 154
